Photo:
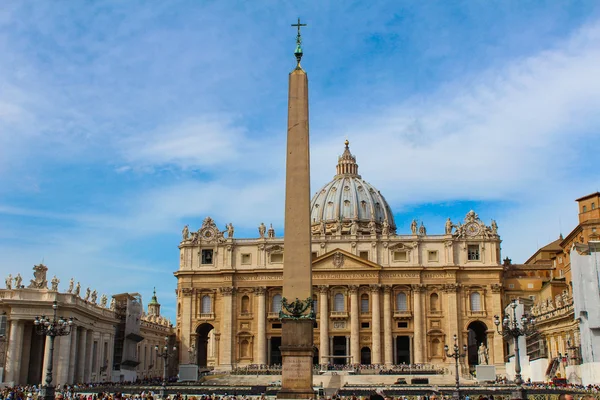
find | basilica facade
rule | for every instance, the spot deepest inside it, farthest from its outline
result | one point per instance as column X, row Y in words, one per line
column 379, row 296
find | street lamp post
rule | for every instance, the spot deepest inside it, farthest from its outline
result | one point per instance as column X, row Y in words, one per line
column 57, row 326
column 456, row 355
column 512, row 328
column 165, row 355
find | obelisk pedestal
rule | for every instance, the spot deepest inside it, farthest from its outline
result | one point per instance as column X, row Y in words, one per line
column 297, row 314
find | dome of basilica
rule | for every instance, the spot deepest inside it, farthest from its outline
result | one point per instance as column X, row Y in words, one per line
column 349, row 205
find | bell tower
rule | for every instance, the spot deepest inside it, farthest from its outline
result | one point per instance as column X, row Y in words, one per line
column 154, row 305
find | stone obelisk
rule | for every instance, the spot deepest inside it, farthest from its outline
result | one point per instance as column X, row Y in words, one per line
column 297, row 315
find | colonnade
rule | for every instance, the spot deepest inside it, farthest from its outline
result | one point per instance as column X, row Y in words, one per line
column 81, row 356
column 380, row 311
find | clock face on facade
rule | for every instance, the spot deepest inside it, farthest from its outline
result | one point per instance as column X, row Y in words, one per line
column 472, row 229
column 207, row 234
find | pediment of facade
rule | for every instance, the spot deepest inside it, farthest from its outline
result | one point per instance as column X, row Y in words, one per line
column 342, row 260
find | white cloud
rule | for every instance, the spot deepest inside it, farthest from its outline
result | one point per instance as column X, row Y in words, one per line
column 492, row 137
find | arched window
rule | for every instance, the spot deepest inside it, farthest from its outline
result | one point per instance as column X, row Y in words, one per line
column 434, row 302
column 245, row 348
column 316, row 304
column 364, row 303
column 338, row 302
column 276, row 305
column 245, row 304
column 401, row 302
column 206, row 308
column 475, row 302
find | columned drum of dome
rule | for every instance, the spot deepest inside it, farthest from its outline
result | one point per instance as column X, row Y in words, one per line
column 349, row 205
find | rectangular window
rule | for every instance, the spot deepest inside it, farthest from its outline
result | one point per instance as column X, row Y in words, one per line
column 276, row 258
column 364, row 325
column 432, row 255
column 401, row 255
column 3, row 325
column 402, row 324
column 473, row 252
column 246, row 259
column 364, row 305
column 276, row 326
column 511, row 285
column 530, row 286
column 207, row 256
column 314, row 255
column 364, row 255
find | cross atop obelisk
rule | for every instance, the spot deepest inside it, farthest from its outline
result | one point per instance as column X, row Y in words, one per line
column 298, row 52
column 297, row 314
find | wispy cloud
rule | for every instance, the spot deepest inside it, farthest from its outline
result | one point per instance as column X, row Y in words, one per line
column 120, row 123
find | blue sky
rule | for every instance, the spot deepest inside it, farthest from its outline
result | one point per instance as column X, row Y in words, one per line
column 120, row 122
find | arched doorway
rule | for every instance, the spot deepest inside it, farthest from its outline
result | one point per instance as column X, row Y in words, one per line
column 365, row 356
column 477, row 335
column 202, row 336
column 315, row 355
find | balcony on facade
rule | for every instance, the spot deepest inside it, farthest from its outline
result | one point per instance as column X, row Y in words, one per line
column 404, row 314
column 206, row 316
column 477, row 314
column 338, row 315
column 246, row 315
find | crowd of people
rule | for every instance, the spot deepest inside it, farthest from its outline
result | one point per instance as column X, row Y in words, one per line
column 416, row 369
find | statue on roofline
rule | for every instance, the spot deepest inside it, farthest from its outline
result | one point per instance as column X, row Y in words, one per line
column 54, row 283
column 448, row 227
column 18, row 281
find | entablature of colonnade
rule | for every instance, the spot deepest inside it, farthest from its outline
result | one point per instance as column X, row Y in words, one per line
column 39, row 302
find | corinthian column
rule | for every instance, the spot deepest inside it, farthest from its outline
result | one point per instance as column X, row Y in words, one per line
column 388, row 352
column 323, row 325
column 354, row 324
column 375, row 326
column 226, row 328
column 261, row 342
column 418, row 324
